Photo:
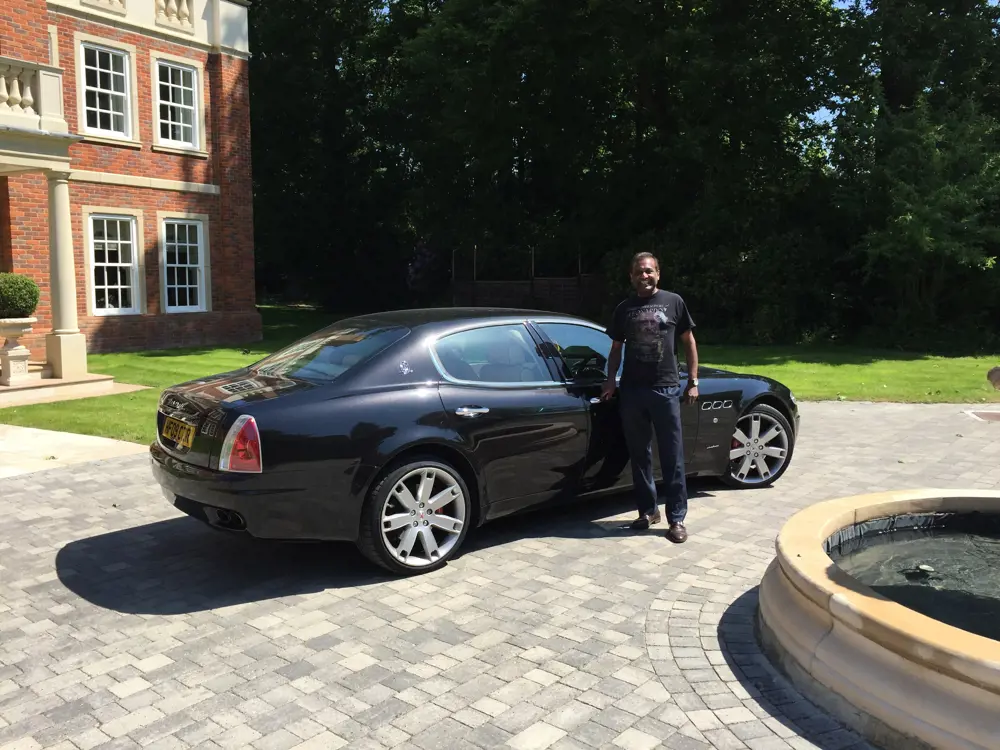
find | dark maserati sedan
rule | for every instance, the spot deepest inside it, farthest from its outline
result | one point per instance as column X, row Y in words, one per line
column 400, row 431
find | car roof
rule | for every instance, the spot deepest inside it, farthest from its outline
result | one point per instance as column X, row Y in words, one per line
column 433, row 317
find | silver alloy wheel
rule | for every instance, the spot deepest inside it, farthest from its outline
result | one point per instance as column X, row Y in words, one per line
column 423, row 516
column 759, row 448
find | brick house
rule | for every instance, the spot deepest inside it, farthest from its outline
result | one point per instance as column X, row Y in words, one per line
column 125, row 181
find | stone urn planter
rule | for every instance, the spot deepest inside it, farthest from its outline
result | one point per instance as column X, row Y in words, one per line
column 18, row 300
column 13, row 356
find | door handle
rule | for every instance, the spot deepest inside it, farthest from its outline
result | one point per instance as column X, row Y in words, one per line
column 471, row 411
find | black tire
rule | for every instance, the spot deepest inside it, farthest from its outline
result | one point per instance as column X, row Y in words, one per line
column 773, row 417
column 373, row 544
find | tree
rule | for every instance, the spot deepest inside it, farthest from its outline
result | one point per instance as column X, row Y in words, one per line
column 919, row 149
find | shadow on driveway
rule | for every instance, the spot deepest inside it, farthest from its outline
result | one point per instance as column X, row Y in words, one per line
column 769, row 688
column 584, row 519
column 180, row 566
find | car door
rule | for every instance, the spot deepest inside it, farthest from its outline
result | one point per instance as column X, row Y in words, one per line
column 584, row 351
column 691, row 423
column 719, row 407
column 526, row 432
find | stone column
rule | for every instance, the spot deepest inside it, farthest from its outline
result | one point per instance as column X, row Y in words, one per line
column 65, row 347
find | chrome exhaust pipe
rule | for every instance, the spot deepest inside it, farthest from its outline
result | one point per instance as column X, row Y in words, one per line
column 230, row 519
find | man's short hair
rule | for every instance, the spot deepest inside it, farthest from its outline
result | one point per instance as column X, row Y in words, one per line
column 994, row 377
column 639, row 257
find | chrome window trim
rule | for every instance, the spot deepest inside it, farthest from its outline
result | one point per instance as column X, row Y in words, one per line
column 571, row 322
column 432, row 342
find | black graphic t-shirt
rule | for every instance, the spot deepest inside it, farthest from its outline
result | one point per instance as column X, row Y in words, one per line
column 650, row 326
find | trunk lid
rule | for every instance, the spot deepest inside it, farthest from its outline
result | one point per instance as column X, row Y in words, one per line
column 192, row 418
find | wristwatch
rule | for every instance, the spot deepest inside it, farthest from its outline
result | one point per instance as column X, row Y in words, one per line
column 693, row 382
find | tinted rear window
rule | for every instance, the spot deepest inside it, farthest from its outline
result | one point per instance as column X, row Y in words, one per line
column 326, row 355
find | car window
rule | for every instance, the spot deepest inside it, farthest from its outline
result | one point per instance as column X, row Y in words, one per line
column 327, row 354
column 585, row 350
column 492, row 354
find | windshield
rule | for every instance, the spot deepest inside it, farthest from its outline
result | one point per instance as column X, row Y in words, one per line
column 326, row 355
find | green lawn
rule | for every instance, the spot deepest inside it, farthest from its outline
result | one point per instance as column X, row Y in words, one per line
column 844, row 373
column 812, row 373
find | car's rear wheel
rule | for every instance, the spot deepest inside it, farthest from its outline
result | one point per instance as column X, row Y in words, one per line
column 761, row 448
column 416, row 518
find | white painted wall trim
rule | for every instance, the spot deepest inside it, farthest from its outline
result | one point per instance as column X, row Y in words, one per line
column 53, row 45
column 128, row 180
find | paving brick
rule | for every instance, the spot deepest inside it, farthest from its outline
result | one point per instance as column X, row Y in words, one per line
column 538, row 736
column 488, row 736
column 594, row 734
column 518, row 717
column 751, row 730
column 633, row 739
column 682, row 742
column 278, row 740
column 323, row 741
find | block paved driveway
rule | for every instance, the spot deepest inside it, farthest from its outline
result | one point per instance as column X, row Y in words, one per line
column 124, row 625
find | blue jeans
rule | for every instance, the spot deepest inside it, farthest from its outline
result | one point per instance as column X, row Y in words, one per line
column 644, row 410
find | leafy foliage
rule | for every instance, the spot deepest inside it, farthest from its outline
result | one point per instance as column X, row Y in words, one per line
column 18, row 296
column 805, row 171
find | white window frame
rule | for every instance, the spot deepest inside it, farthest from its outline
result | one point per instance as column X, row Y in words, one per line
column 197, row 147
column 137, row 267
column 131, row 135
column 203, row 266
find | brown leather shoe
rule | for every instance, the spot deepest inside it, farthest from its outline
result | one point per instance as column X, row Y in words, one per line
column 677, row 533
column 646, row 520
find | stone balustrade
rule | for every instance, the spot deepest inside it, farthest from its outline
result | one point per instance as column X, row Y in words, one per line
column 31, row 96
column 175, row 13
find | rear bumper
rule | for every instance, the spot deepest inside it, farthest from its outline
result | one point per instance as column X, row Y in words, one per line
column 281, row 506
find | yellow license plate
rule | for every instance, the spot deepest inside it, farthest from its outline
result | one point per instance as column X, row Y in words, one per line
column 180, row 433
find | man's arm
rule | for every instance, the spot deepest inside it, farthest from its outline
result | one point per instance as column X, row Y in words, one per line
column 614, row 361
column 691, row 357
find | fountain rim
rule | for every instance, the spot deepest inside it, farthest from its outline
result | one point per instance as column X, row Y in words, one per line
column 964, row 656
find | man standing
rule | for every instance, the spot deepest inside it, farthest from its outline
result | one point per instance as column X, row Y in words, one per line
column 649, row 324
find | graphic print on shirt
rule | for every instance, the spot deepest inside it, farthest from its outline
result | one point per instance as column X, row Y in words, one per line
column 646, row 328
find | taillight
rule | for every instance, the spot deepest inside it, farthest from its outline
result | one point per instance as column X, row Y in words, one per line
column 241, row 449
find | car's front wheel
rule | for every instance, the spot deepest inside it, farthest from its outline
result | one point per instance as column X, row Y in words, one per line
column 761, row 448
column 415, row 519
